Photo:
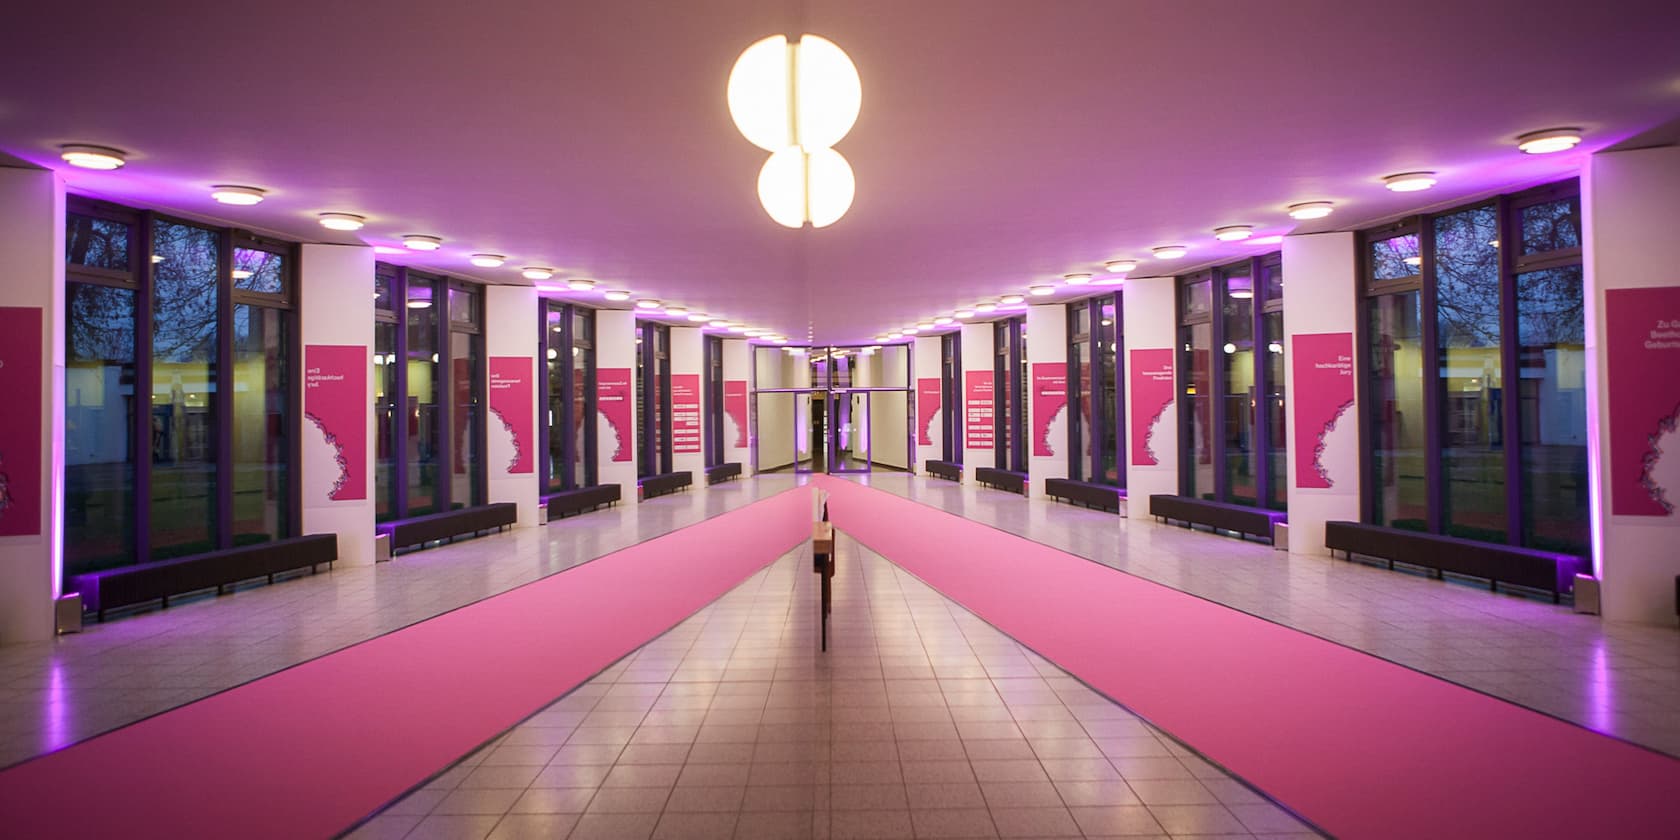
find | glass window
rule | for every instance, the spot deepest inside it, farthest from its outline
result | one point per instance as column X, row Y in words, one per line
column 463, row 307
column 183, row 388
column 1198, row 300
column 556, row 365
column 385, row 418
column 1080, row 422
column 421, row 416
column 1551, row 340
column 1277, row 444
column 1237, row 390
column 262, row 440
column 583, row 397
column 1397, row 420
column 1196, row 362
column 99, row 405
column 1396, row 258
column 96, row 243
column 466, row 424
column 259, row 271
column 1552, row 226
column 1108, row 358
column 384, row 282
column 1470, row 379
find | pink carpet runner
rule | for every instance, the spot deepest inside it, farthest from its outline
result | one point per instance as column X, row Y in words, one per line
column 1361, row 747
column 309, row 751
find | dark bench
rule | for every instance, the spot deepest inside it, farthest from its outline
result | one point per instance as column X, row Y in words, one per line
column 449, row 524
column 949, row 470
column 1099, row 496
column 1508, row 564
column 722, row 472
column 579, row 500
column 1014, row 482
column 1220, row 516
column 660, row 485
column 114, row 588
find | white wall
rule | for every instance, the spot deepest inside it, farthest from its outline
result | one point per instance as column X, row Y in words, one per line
column 32, row 276
column 688, row 355
column 1150, row 319
column 1320, row 296
column 1629, row 201
column 929, row 357
column 336, row 291
column 977, row 354
column 1046, row 342
column 736, row 367
column 615, row 347
column 511, row 328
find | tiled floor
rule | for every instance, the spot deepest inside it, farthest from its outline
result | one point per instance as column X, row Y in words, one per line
column 920, row 721
column 59, row 692
column 1616, row 678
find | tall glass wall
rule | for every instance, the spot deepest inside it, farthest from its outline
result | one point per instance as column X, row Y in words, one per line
column 1009, row 340
column 951, row 396
column 1095, row 363
column 653, row 389
column 568, row 346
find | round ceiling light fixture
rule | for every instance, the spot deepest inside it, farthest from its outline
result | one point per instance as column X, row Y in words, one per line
column 677, row 311
column 1311, row 210
column 737, row 328
column 1076, row 279
column 532, row 272
column 1040, row 290
column 618, row 295
column 487, row 260
column 1120, row 266
column 1012, row 300
column 421, row 242
column 238, row 196
column 796, row 99
column 719, row 323
column 964, row 314
column 342, row 221
column 754, row 332
column 912, row 330
column 1410, row 181
column 698, row 317
column 924, row 326
column 942, row 320
column 1169, row 252
column 1548, row 141
column 647, row 303
column 578, row 284
column 776, row 339
column 987, row 306
column 241, row 274
column 1233, row 233
column 102, row 158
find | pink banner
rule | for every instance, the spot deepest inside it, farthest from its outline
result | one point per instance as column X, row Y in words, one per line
column 685, row 413
column 735, row 408
column 513, row 401
column 928, row 397
column 1322, row 394
column 20, row 423
column 335, row 399
column 613, row 391
column 979, row 413
column 1150, row 381
column 1049, row 398
column 1643, row 330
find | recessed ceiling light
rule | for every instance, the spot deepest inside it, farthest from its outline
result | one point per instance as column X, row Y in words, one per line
column 536, row 273
column 619, row 295
column 1311, row 210
column 421, row 242
column 1410, row 181
column 1120, row 266
column 1011, row 300
column 678, row 311
column 647, row 303
column 1076, row 279
column 1233, row 233
column 894, row 335
column 93, row 157
column 738, row 328
column 964, row 314
column 1274, row 239
column 1549, row 141
column 988, row 306
column 1041, row 290
column 487, row 260
column 754, row 333
column 720, row 324
column 342, row 221
column 881, row 337
column 912, row 330
column 924, row 326
column 943, row 320
column 578, row 284
column 240, row 196
column 1169, row 252
column 699, row 317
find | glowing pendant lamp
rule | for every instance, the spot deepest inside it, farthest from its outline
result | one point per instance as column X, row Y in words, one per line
column 796, row 100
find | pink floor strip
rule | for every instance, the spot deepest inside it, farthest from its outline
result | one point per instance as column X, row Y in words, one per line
column 1360, row 746
column 309, row 751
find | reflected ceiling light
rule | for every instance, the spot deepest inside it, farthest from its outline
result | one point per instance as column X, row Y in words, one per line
column 988, row 306
column 342, row 221
column 647, row 303
column 1549, row 141
column 619, row 295
column 420, row 303
column 157, row 258
column 102, row 158
column 796, row 351
column 678, row 311
column 795, row 100
column 241, row 273
column 1274, row 347
column 487, row 260
column 942, row 320
column 421, row 242
column 1311, row 210
column 1169, row 252
column 1233, row 233
column 1230, row 348
column 1011, row 300
column 1241, row 294
column 536, row 273
column 578, row 284
column 699, row 317
column 240, row 196
column 1108, row 322
column 1120, row 266
column 1077, row 279
column 964, row 314
column 553, row 354
column 1041, row 290
column 1274, row 239
column 1413, row 261
column 1410, row 181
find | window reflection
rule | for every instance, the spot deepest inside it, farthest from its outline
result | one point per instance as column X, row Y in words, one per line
column 99, row 405
column 261, row 424
column 1471, row 376
column 1551, row 340
column 1397, row 420
column 184, row 381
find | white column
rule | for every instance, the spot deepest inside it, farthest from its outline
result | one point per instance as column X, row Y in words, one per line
column 930, row 413
column 336, row 295
column 615, row 356
column 1151, row 326
column 1629, row 201
column 737, row 447
column 32, row 293
column 1046, row 349
column 688, row 358
column 1320, row 310
column 511, row 328
column 977, row 356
